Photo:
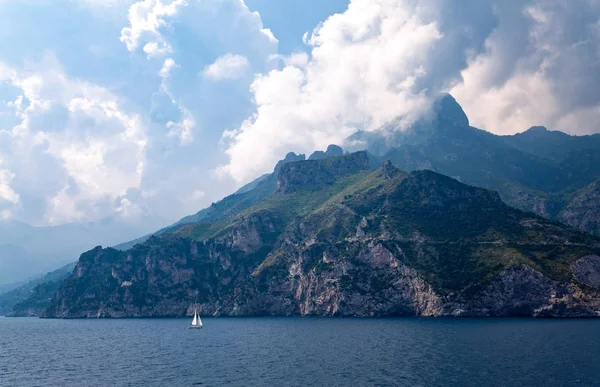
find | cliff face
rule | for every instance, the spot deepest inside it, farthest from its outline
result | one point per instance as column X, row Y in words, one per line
column 317, row 173
column 583, row 209
column 339, row 240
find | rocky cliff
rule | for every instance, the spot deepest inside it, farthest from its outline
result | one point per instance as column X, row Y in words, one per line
column 338, row 239
column 320, row 172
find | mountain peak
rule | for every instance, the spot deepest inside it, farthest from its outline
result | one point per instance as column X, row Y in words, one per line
column 332, row 151
column 289, row 158
column 448, row 110
column 537, row 129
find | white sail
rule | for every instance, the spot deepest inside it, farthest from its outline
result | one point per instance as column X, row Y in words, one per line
column 199, row 321
column 195, row 322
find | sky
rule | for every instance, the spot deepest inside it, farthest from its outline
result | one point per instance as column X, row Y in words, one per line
column 150, row 110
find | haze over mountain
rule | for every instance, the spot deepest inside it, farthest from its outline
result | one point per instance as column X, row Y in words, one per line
column 27, row 251
column 32, row 297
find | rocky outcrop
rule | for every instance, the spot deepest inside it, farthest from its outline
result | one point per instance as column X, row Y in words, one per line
column 583, row 210
column 522, row 291
column 315, row 173
column 332, row 151
column 291, row 157
column 587, row 271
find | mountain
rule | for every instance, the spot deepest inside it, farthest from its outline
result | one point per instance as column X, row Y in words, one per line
column 28, row 251
column 338, row 238
column 34, row 296
column 550, row 173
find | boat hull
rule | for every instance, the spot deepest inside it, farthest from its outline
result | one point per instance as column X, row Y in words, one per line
column 194, row 327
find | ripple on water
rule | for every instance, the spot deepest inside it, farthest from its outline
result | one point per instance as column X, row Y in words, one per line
column 299, row 352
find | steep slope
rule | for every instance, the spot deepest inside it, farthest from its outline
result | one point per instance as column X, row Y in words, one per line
column 583, row 209
column 34, row 296
column 337, row 238
column 538, row 170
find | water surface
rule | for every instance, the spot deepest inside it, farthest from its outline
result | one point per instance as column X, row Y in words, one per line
column 300, row 352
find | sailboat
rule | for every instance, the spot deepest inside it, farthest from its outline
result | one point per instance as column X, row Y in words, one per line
column 196, row 322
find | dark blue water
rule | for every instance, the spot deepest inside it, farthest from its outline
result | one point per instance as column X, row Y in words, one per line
column 300, row 352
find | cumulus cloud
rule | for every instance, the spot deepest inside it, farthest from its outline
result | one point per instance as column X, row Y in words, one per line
column 77, row 129
column 146, row 19
column 149, row 22
column 540, row 67
column 6, row 192
column 228, row 66
column 168, row 65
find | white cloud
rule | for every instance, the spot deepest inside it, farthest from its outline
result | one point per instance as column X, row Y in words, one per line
column 228, row 66
column 118, row 134
column 146, row 19
column 168, row 65
column 183, row 128
column 198, row 194
column 296, row 59
column 97, row 151
column 6, row 191
column 156, row 50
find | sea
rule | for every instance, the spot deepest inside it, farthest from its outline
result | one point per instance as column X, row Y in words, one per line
column 300, row 352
